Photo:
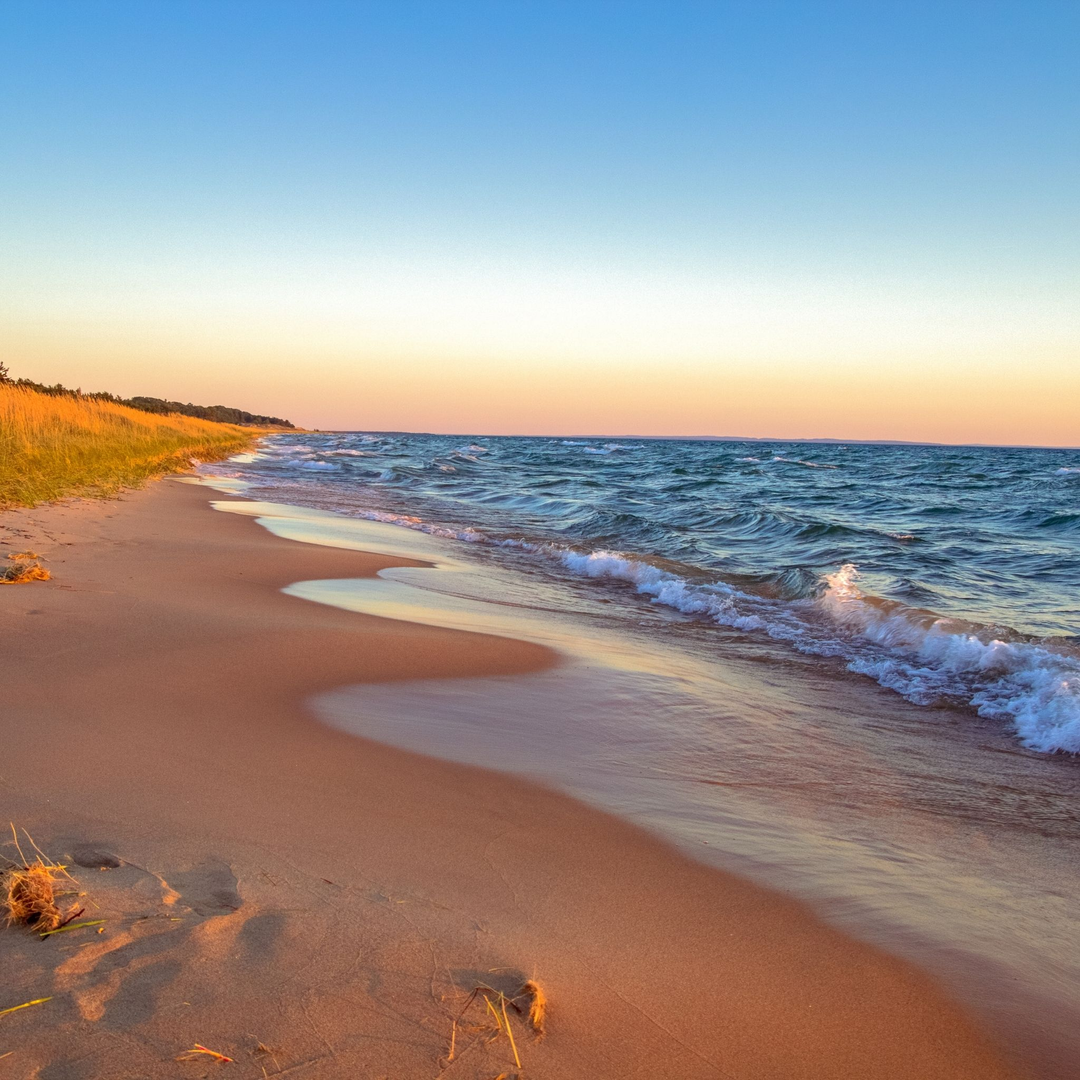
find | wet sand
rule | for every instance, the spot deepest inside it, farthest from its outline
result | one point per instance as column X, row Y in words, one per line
column 333, row 899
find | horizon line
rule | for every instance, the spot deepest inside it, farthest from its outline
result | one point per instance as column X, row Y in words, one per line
column 829, row 440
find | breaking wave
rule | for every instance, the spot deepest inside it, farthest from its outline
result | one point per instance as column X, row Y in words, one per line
column 925, row 658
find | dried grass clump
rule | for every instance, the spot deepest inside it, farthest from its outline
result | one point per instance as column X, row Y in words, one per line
column 537, row 1004
column 30, row 896
column 23, row 570
column 28, row 890
column 496, row 1002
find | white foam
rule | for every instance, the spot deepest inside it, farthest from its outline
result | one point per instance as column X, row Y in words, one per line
column 1034, row 687
column 469, row 536
column 314, row 466
column 1066, row 470
column 808, row 464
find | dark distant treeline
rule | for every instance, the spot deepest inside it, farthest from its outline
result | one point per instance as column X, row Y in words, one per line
column 220, row 413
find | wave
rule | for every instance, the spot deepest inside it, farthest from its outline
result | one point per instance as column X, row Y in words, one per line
column 409, row 521
column 923, row 657
column 607, row 448
column 1057, row 521
column 314, row 466
column 1067, row 470
column 808, row 464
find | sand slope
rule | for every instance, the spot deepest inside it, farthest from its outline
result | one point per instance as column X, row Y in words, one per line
column 270, row 881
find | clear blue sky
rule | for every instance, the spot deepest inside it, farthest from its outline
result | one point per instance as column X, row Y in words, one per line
column 204, row 199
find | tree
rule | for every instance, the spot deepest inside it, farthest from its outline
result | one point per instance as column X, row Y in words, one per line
column 4, row 376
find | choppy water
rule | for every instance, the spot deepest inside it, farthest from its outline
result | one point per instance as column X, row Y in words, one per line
column 949, row 575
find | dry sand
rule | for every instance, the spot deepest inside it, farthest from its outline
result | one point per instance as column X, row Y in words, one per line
column 266, row 880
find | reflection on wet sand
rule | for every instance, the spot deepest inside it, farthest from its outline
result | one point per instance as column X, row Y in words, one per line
column 926, row 831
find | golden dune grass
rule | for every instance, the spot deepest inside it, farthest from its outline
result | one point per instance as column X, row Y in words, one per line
column 56, row 446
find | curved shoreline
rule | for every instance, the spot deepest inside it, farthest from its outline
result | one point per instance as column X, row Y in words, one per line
column 599, row 728
column 360, row 887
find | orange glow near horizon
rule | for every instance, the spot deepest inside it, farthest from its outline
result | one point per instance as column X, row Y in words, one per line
column 455, row 349
column 974, row 402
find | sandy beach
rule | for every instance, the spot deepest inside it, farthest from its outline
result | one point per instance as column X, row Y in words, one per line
column 312, row 904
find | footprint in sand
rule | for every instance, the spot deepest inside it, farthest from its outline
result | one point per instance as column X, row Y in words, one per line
column 118, row 980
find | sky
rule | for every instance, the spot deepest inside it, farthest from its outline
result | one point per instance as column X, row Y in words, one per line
column 792, row 219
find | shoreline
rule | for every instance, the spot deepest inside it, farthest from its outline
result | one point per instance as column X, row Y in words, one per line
column 600, row 728
column 336, row 896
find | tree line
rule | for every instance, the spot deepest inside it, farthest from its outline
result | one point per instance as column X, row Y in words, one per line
column 222, row 414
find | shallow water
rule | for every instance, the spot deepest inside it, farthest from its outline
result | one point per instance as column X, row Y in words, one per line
column 950, row 575
column 927, row 828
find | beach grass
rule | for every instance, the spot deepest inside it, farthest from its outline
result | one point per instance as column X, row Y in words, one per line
column 495, row 1001
column 54, row 446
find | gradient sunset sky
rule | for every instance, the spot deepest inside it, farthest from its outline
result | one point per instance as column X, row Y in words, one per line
column 763, row 219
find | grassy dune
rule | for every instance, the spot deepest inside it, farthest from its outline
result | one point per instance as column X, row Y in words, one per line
column 56, row 446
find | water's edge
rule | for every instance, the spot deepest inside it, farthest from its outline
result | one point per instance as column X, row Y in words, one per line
column 585, row 728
